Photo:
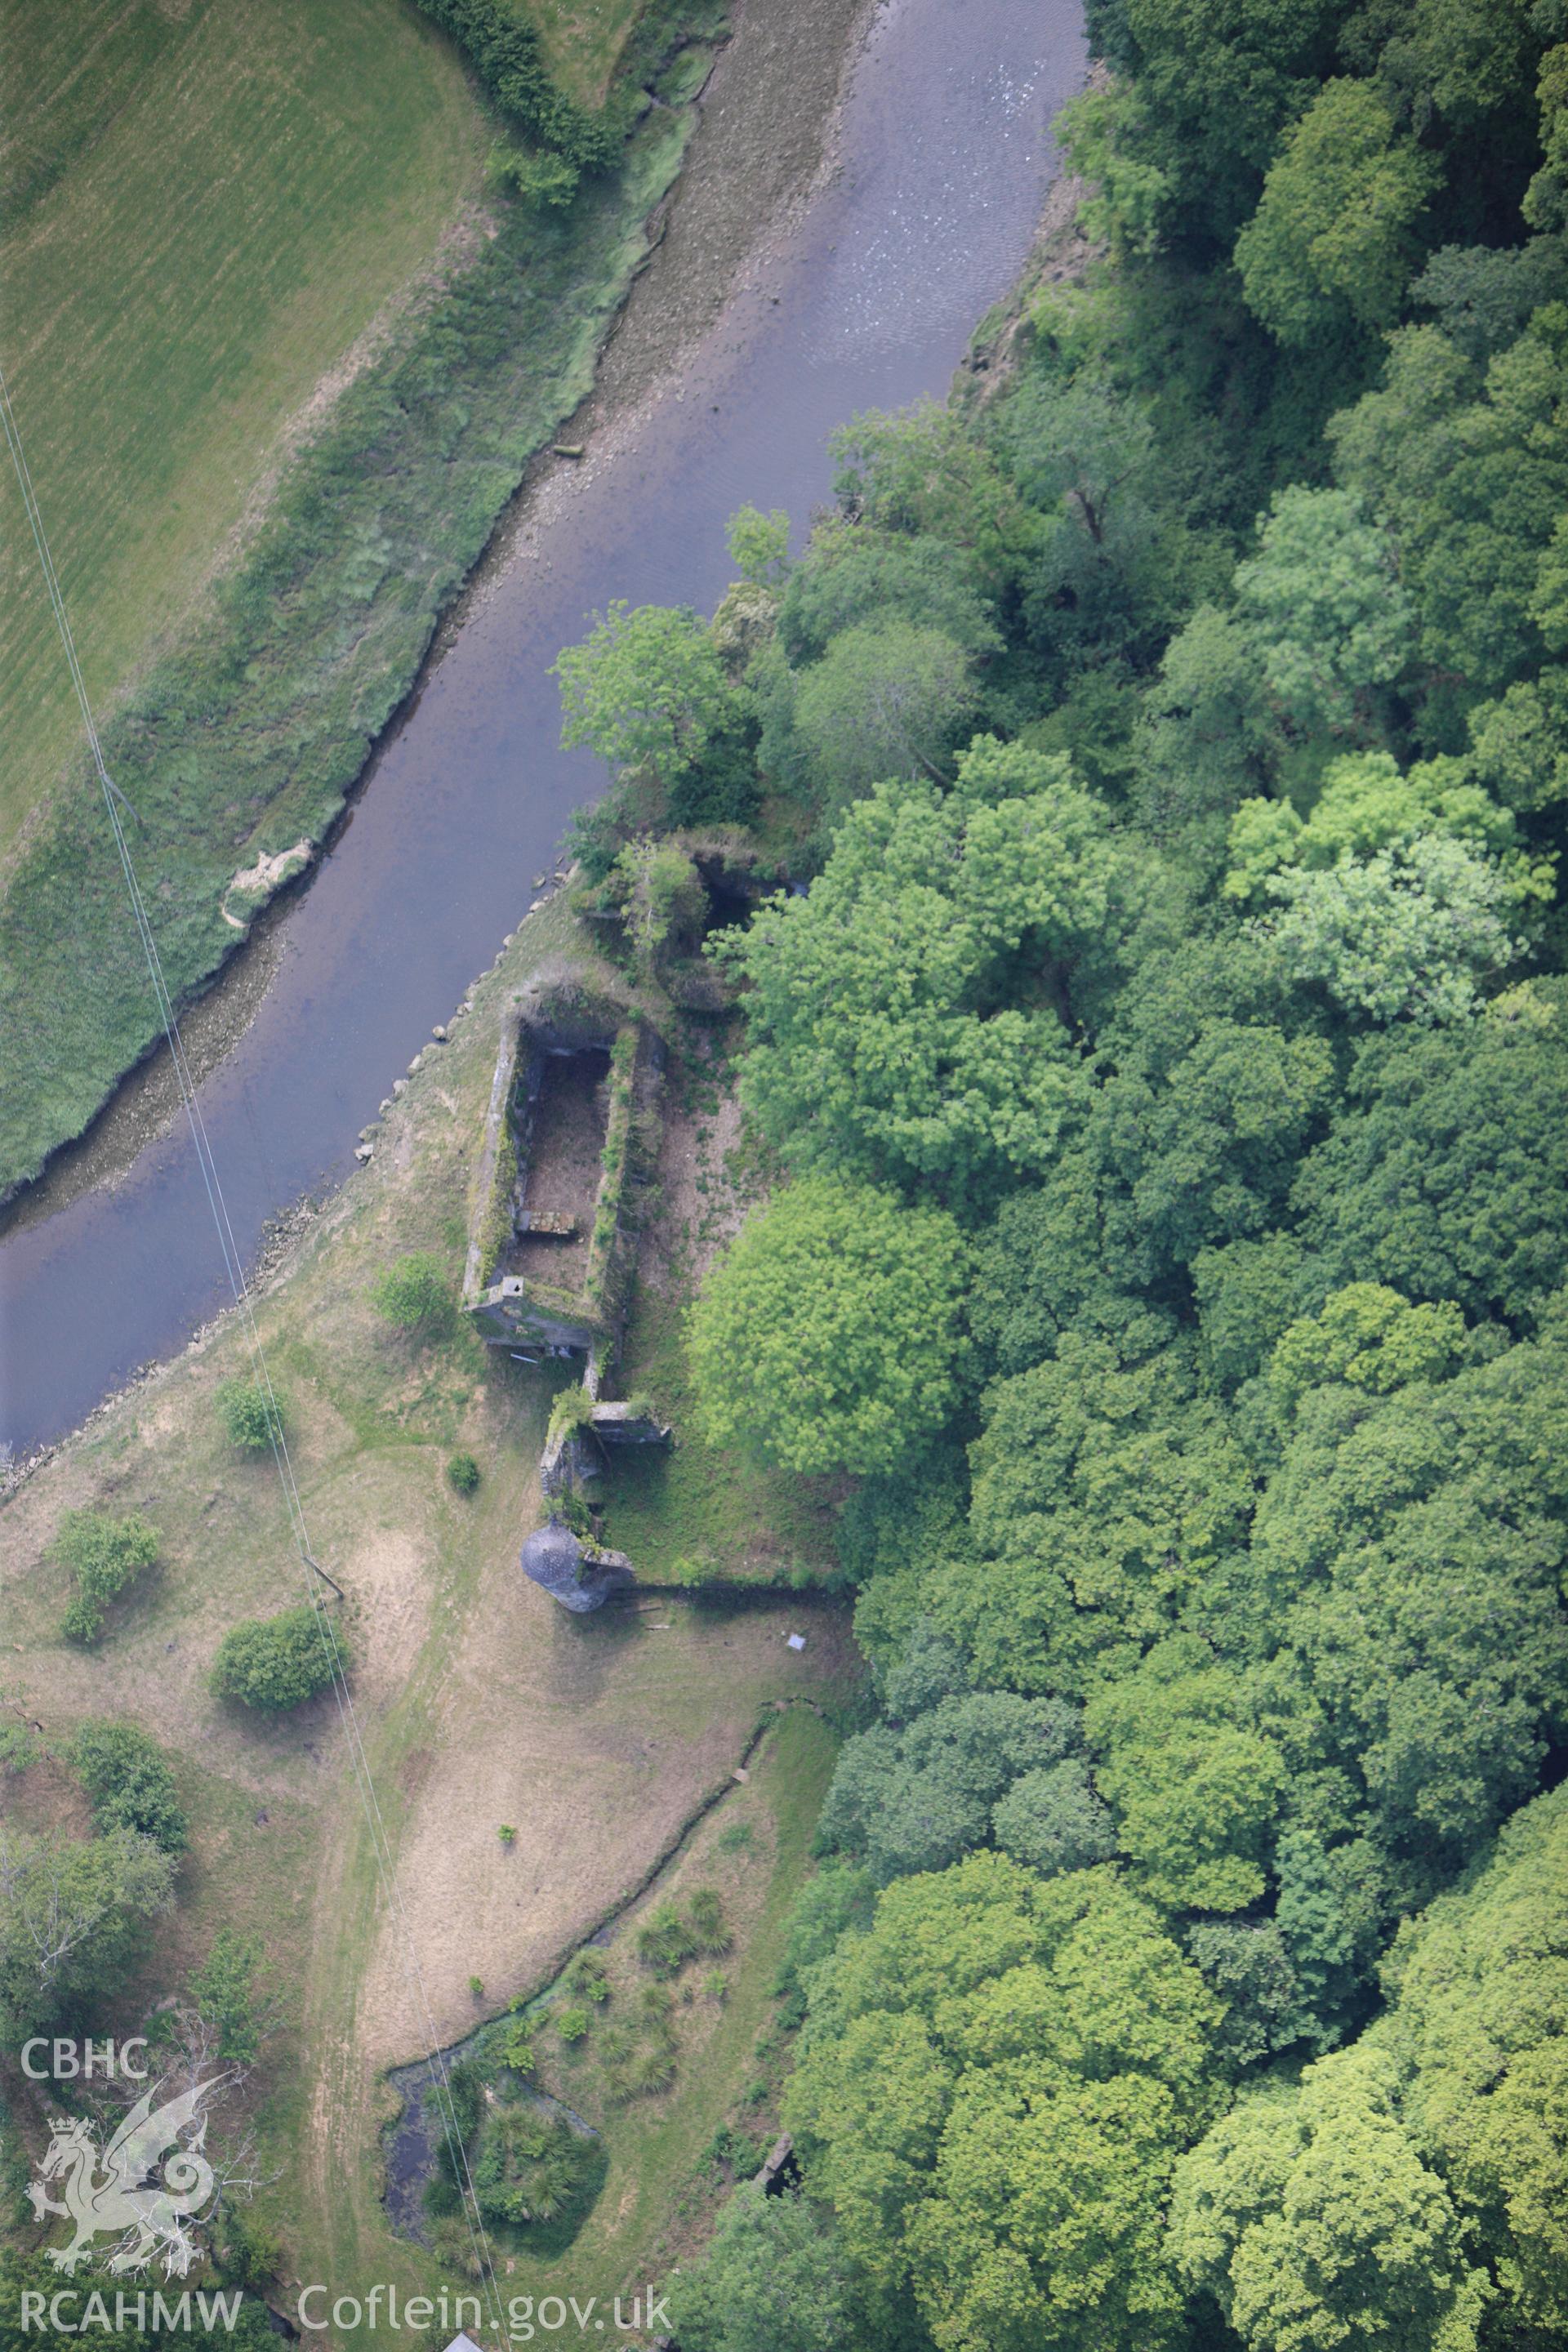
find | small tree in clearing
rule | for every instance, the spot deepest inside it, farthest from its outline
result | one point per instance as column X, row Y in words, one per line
column 250, row 1417
column 274, row 1662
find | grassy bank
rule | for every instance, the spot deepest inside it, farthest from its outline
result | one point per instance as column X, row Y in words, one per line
column 242, row 739
column 481, row 1703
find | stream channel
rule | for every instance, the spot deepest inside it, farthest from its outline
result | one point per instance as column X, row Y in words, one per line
column 867, row 301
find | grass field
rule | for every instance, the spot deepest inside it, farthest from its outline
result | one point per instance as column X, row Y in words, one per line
column 479, row 1702
column 204, row 207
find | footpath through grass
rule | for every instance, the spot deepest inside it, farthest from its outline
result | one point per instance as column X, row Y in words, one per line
column 244, row 738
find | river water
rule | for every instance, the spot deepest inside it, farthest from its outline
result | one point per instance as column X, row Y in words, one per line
column 869, row 302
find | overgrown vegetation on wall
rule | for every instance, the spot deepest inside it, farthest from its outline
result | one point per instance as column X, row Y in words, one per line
column 1178, row 738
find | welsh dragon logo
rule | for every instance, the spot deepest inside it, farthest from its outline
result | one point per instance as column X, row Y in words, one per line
column 139, row 2192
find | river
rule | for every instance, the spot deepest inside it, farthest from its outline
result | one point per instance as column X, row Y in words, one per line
column 868, row 302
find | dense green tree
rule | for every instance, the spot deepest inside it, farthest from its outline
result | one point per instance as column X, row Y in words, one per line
column 1215, row 86
column 1368, row 1337
column 1545, row 205
column 1455, row 67
column 1417, row 1543
column 1210, row 738
column 1365, row 805
column 1444, row 1176
column 250, row 1414
column 224, row 1993
column 1412, row 934
column 658, row 894
column 1333, row 1910
column 1331, row 243
column 852, row 574
column 1044, row 1268
column 646, row 688
column 924, row 471
column 73, row 1913
column 880, row 1035
column 1200, row 1148
column 1052, row 1820
column 1477, row 2025
column 1245, row 1964
column 1321, row 606
column 890, row 1532
column 104, row 1556
column 1085, row 458
column 992, row 2084
column 413, row 1293
column 1103, row 1496
column 1484, row 295
column 1520, row 743
column 889, row 697
column 1196, row 1786
column 128, row 1779
column 917, row 1798
column 828, row 1336
column 1104, row 133
column 219, row 2318
column 759, row 545
column 1247, row 1294
column 773, row 2279
column 1470, row 474
column 1309, row 2218
column 275, row 1662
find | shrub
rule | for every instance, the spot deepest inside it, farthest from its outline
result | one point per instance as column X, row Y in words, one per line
column 587, row 1978
column 104, row 1555
column 652, row 2070
column 548, row 181
column 572, row 1408
column 476, row 1986
column 81, row 1622
column 131, row 1786
column 18, row 1747
column 250, row 1417
column 665, row 1942
column 413, row 1294
column 517, row 2048
column 571, row 2025
column 463, row 1474
column 708, row 1929
column 273, row 1663
column 223, row 1991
